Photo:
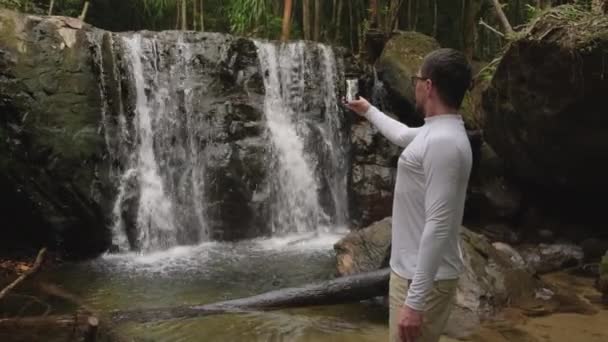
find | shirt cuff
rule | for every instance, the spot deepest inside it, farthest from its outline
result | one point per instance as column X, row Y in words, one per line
column 414, row 305
column 370, row 111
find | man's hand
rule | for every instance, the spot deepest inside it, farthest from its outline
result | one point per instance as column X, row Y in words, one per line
column 410, row 324
column 359, row 106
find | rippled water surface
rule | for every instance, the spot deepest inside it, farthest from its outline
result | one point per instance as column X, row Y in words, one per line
column 217, row 271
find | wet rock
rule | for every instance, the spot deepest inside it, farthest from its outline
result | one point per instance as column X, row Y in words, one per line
column 53, row 168
column 364, row 250
column 511, row 253
column 545, row 258
column 594, row 249
column 492, row 276
column 603, row 278
column 492, row 197
column 373, row 174
column 501, row 232
column 545, row 112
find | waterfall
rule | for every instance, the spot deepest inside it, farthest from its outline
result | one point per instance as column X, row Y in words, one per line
column 160, row 195
column 297, row 177
column 203, row 149
column 336, row 139
column 155, row 221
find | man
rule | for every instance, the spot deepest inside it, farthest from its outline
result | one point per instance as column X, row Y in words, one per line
column 432, row 176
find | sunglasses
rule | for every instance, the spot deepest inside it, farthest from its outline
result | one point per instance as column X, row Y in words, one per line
column 415, row 79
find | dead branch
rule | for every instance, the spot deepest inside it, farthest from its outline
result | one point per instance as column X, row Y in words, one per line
column 25, row 274
column 503, row 18
column 484, row 24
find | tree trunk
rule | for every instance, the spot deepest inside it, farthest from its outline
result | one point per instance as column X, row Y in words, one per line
column 416, row 10
column 351, row 24
column 202, row 17
column 51, row 5
column 393, row 15
column 544, row 4
column 286, row 20
column 177, row 13
column 435, row 18
column 339, row 20
column 341, row 290
column 194, row 16
column 85, row 9
column 373, row 13
column 306, row 19
column 503, row 18
column 63, row 321
column 471, row 14
column 409, row 14
column 184, row 16
column 317, row 32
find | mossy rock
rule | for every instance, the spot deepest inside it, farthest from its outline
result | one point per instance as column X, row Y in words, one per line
column 545, row 108
column 401, row 58
column 53, row 170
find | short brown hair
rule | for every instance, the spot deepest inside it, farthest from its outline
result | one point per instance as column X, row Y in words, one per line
column 451, row 74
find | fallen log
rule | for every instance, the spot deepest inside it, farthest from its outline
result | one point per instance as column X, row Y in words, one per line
column 341, row 290
column 46, row 322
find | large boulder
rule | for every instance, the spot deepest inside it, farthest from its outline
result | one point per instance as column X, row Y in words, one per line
column 373, row 174
column 53, row 170
column 493, row 278
column 545, row 108
column 364, row 250
column 401, row 58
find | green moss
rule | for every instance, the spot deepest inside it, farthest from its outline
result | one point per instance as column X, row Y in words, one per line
column 604, row 267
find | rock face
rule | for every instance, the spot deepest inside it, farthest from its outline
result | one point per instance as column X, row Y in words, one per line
column 373, row 174
column 545, row 112
column 53, row 168
column 374, row 159
column 492, row 278
column 148, row 140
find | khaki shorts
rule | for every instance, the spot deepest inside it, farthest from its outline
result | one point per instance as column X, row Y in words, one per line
column 438, row 307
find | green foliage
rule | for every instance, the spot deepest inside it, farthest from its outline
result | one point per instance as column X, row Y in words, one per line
column 156, row 8
column 487, row 72
column 253, row 18
column 532, row 12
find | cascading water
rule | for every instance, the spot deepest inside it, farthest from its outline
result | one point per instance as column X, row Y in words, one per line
column 198, row 160
column 297, row 176
column 336, row 139
column 155, row 221
column 160, row 193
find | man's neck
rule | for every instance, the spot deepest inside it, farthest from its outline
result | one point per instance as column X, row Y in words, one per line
column 439, row 109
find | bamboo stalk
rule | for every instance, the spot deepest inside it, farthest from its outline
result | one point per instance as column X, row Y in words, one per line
column 85, row 10
column 202, row 17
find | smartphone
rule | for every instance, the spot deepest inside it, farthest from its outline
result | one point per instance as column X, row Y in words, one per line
column 352, row 89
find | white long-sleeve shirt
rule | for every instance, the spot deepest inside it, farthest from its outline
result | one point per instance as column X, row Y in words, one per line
column 432, row 176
